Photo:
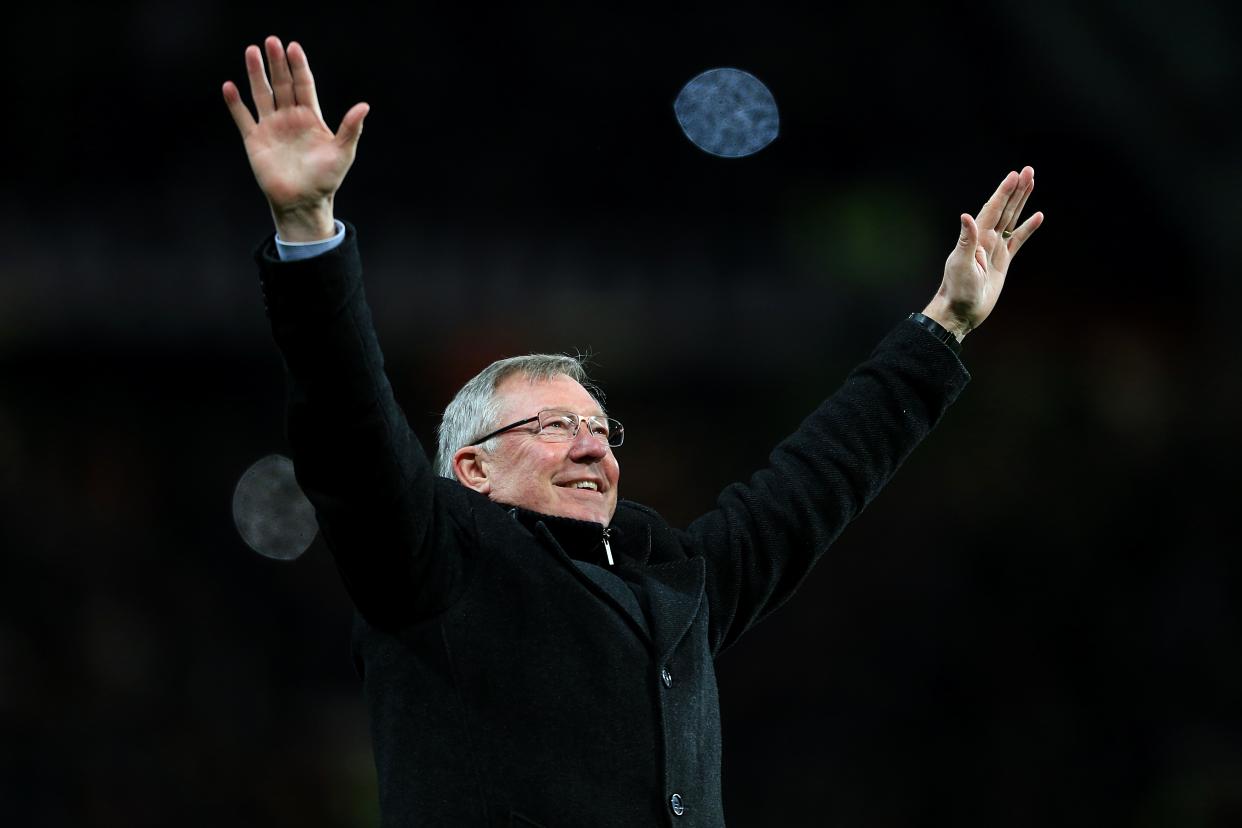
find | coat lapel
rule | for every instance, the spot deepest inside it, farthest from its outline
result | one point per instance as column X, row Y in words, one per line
column 671, row 593
column 618, row 590
column 606, row 594
column 674, row 594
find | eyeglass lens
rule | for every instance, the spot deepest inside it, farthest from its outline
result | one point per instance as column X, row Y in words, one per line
column 563, row 425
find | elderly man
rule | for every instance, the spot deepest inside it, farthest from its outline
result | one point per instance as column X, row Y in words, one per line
column 533, row 650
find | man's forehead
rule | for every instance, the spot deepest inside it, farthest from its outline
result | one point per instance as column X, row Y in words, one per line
column 522, row 395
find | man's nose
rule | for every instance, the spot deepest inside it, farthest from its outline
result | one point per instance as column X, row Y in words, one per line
column 585, row 445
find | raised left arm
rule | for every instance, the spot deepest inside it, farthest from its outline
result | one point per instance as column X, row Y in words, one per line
column 765, row 535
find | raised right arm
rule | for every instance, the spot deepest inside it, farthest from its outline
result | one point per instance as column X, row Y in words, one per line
column 393, row 527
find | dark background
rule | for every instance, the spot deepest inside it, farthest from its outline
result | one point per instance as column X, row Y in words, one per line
column 1037, row 623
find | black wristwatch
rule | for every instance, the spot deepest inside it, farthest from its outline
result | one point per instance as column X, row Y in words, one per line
column 937, row 330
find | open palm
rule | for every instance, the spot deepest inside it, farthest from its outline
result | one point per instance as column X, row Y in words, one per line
column 296, row 158
column 974, row 273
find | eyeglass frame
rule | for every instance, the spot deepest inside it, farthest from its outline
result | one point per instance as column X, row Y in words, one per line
column 578, row 421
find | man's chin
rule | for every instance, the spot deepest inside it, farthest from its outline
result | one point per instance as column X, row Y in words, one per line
column 589, row 515
column 597, row 512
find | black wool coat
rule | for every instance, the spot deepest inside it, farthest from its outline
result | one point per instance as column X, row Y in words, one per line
column 512, row 676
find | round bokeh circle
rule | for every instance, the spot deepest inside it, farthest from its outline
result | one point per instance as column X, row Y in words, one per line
column 727, row 112
column 270, row 511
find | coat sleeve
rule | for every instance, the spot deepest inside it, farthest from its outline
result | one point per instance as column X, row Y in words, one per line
column 764, row 535
column 388, row 520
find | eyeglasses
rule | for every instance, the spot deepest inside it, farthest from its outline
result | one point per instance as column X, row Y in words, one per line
column 557, row 426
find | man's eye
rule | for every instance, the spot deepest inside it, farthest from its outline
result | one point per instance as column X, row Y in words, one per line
column 599, row 429
column 558, row 424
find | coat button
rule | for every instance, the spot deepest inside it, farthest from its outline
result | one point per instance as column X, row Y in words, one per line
column 675, row 803
column 666, row 677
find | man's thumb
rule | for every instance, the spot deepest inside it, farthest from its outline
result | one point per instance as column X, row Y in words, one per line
column 351, row 124
column 969, row 236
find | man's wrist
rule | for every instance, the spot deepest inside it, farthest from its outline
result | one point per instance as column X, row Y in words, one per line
column 938, row 311
column 309, row 223
column 939, row 331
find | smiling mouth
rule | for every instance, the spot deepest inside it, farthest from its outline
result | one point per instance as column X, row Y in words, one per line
column 588, row 485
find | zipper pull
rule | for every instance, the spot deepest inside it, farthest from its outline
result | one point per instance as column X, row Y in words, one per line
column 607, row 548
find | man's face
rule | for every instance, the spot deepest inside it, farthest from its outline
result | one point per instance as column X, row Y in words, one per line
column 528, row 471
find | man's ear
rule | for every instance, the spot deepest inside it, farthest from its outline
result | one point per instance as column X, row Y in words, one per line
column 470, row 467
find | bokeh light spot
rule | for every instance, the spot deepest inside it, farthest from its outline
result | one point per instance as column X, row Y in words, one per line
column 727, row 112
column 270, row 511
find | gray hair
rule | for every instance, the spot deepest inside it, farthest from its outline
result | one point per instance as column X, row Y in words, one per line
column 476, row 408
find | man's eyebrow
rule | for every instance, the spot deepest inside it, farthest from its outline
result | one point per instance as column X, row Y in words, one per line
column 599, row 412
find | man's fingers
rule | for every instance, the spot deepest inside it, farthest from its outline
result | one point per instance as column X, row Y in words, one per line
column 1018, row 204
column 303, row 81
column 995, row 206
column 1013, row 209
column 351, row 124
column 1006, row 219
column 282, row 79
column 260, row 91
column 1024, row 232
column 241, row 115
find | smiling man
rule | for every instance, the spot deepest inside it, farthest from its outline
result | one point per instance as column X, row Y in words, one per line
column 535, row 651
column 549, row 457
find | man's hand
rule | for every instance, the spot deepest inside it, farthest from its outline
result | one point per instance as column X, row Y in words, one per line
column 297, row 160
column 974, row 273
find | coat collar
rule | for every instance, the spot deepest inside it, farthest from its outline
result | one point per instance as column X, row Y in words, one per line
column 671, row 592
column 581, row 540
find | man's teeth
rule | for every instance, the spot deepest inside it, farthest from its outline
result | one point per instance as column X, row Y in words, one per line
column 586, row 484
